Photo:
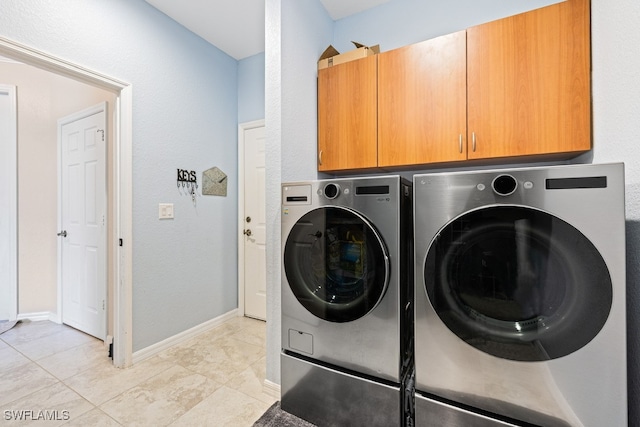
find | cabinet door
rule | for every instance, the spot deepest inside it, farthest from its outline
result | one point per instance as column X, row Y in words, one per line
column 422, row 102
column 529, row 83
column 347, row 133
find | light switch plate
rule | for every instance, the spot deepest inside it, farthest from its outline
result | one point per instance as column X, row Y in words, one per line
column 165, row 210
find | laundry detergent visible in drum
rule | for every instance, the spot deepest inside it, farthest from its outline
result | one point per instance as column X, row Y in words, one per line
column 352, row 256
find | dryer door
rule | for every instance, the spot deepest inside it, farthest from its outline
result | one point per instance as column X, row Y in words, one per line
column 336, row 264
column 518, row 283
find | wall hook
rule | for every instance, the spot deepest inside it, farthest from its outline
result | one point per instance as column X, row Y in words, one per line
column 187, row 178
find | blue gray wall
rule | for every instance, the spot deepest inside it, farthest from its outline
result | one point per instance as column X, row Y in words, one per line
column 251, row 88
column 185, row 108
column 296, row 34
column 402, row 22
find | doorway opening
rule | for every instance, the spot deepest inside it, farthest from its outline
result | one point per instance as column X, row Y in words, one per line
column 120, row 237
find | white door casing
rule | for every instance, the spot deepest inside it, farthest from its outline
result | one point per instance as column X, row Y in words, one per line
column 121, row 167
column 8, row 203
column 252, row 292
column 83, row 223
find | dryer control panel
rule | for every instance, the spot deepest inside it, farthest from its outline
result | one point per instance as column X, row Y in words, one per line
column 296, row 195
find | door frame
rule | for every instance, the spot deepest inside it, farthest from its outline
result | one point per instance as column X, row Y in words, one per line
column 79, row 115
column 13, row 207
column 242, row 128
column 120, row 165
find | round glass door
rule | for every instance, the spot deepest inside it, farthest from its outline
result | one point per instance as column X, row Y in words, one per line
column 518, row 283
column 336, row 264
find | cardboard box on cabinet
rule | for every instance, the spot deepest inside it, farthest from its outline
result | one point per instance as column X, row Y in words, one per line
column 331, row 56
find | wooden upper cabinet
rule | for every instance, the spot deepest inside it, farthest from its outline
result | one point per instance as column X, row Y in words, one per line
column 529, row 83
column 518, row 86
column 347, row 115
column 422, row 102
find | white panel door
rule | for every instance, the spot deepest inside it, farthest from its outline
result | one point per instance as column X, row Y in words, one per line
column 255, row 278
column 8, row 204
column 83, row 234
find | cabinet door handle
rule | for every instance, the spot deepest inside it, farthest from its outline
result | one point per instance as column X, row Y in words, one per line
column 460, row 143
column 320, row 158
column 473, row 139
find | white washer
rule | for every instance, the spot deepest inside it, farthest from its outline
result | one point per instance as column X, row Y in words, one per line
column 347, row 297
column 520, row 297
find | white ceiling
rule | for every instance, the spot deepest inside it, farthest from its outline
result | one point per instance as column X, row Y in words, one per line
column 237, row 27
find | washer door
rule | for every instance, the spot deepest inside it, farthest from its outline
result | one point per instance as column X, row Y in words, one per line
column 336, row 264
column 518, row 283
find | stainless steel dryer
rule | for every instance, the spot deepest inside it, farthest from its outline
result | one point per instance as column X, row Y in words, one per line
column 347, row 293
column 520, row 297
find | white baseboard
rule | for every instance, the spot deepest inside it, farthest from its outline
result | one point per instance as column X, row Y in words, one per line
column 39, row 316
column 156, row 348
column 272, row 389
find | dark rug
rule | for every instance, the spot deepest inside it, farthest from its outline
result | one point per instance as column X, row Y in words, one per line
column 276, row 417
column 5, row 325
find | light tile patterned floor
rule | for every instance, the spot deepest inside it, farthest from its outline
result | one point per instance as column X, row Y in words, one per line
column 214, row 379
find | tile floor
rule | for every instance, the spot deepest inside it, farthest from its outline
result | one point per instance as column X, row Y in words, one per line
column 214, row 379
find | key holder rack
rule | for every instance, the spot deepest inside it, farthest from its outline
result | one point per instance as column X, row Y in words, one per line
column 187, row 180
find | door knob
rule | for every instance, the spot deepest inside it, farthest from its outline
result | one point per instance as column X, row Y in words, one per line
column 247, row 232
column 63, row 233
